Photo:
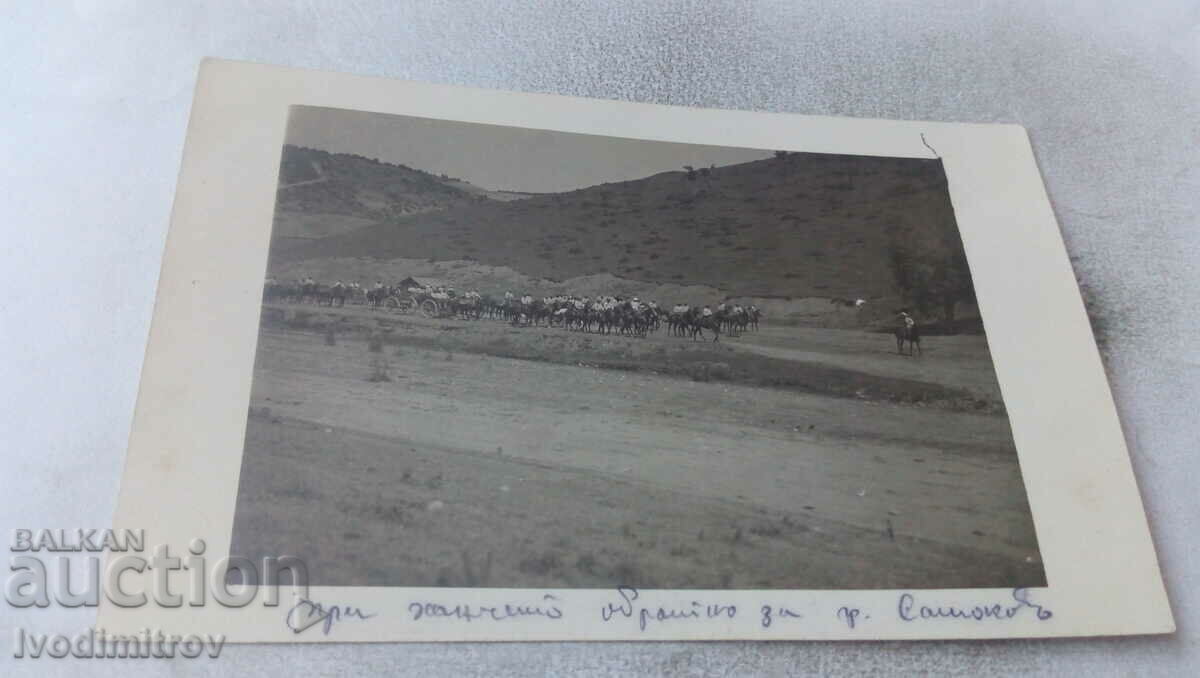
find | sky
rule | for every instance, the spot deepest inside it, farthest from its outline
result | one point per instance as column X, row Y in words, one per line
column 499, row 158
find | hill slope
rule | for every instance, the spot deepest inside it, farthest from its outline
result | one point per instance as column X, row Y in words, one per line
column 803, row 225
column 322, row 194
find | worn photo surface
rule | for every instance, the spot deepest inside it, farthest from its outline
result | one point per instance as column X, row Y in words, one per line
column 513, row 358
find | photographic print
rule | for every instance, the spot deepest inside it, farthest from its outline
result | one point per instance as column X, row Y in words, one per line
column 493, row 366
column 503, row 357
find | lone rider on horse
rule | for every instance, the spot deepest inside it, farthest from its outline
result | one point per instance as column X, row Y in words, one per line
column 907, row 331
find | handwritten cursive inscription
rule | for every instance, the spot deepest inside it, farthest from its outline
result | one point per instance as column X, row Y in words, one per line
column 850, row 615
column 645, row 614
column 549, row 609
column 307, row 614
column 770, row 613
column 909, row 610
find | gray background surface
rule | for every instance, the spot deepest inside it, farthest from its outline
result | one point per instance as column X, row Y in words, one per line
column 94, row 98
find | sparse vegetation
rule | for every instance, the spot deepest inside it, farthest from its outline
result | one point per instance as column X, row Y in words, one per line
column 375, row 342
column 842, row 222
column 932, row 277
column 379, row 370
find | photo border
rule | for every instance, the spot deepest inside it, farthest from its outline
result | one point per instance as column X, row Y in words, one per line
column 181, row 475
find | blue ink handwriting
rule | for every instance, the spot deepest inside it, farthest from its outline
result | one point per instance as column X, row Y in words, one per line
column 850, row 616
column 421, row 610
column 306, row 613
column 769, row 614
column 696, row 610
column 909, row 610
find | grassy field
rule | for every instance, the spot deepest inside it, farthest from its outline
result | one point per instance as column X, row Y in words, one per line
column 475, row 453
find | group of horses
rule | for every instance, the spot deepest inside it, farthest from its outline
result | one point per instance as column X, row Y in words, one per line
column 603, row 315
column 311, row 292
column 631, row 317
column 613, row 316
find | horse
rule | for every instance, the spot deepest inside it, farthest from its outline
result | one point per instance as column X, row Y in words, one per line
column 310, row 293
column 338, row 294
column 911, row 334
column 377, row 295
column 280, row 292
column 755, row 314
column 697, row 322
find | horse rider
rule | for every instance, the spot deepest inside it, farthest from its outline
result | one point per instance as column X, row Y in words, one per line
column 707, row 312
column 906, row 320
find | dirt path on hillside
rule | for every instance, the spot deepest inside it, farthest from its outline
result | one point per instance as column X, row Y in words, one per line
column 321, row 178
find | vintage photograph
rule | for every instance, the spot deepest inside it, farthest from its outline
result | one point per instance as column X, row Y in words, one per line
column 514, row 358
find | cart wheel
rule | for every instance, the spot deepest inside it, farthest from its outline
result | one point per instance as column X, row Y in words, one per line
column 429, row 308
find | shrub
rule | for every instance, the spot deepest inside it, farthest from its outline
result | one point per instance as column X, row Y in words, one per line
column 379, row 371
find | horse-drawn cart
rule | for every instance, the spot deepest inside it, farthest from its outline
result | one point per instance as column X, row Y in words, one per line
column 432, row 304
column 428, row 304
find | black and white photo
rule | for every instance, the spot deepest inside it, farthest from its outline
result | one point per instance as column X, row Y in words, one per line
column 503, row 357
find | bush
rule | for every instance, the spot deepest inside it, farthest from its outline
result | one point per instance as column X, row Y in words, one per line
column 379, row 371
column 375, row 342
column 541, row 565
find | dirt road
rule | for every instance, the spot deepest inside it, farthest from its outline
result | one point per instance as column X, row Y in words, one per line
column 463, row 468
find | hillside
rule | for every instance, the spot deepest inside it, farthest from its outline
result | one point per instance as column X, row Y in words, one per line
column 803, row 225
column 322, row 194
